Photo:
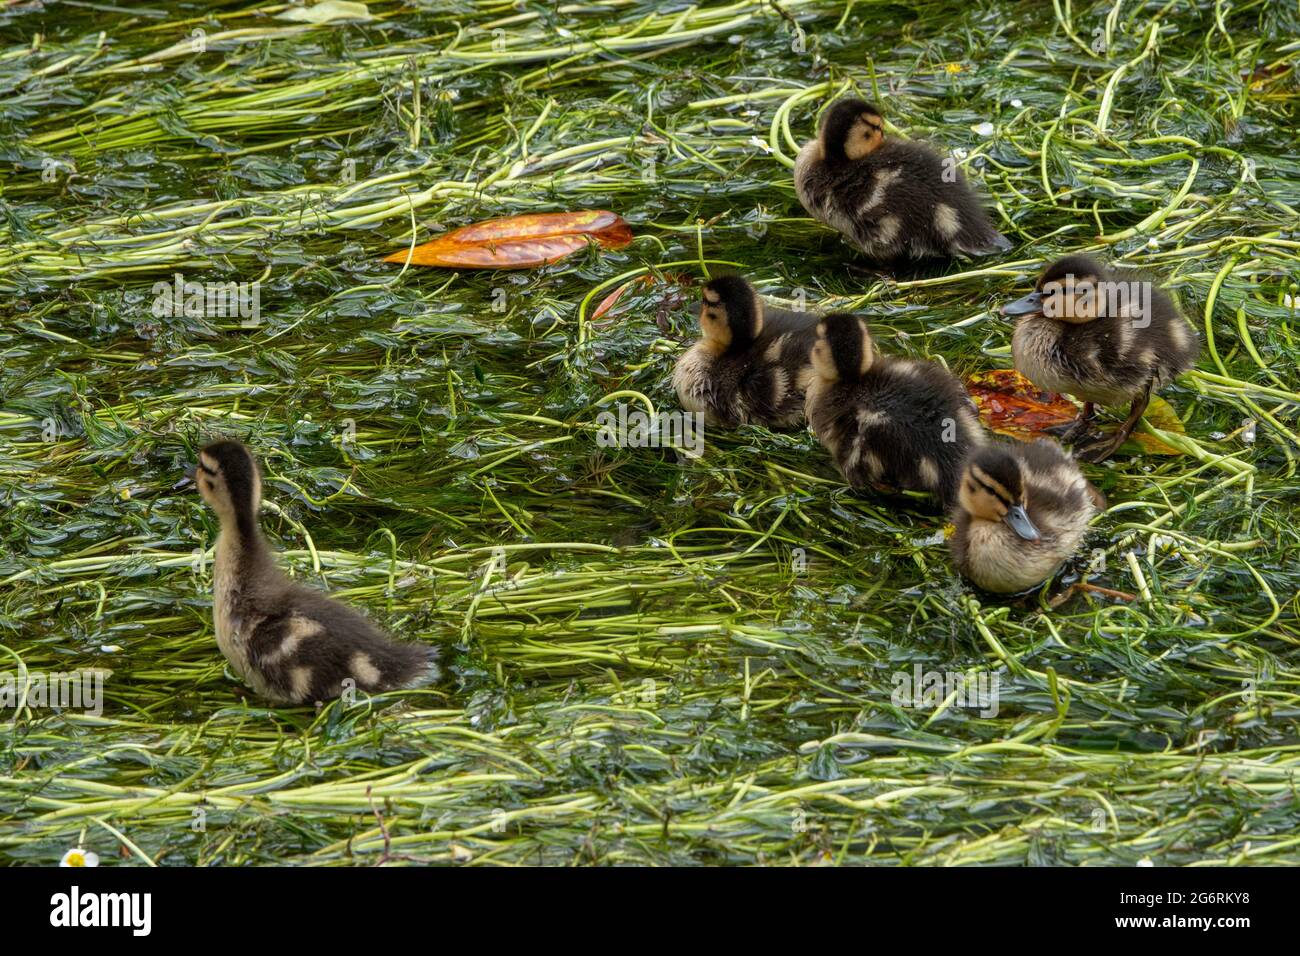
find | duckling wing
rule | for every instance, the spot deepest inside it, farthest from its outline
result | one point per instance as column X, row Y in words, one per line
column 1175, row 342
column 778, row 321
column 943, row 212
column 315, row 648
column 768, row 393
column 1059, row 499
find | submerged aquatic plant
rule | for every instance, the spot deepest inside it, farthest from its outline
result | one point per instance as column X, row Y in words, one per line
column 654, row 657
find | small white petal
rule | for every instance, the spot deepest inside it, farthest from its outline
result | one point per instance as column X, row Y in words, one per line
column 984, row 129
column 110, row 648
column 760, row 143
column 1017, row 103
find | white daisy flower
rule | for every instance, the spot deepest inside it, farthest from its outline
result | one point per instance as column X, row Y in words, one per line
column 79, row 857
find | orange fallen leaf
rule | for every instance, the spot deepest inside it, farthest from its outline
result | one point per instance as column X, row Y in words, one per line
column 611, row 300
column 1011, row 405
column 648, row 278
column 520, row 242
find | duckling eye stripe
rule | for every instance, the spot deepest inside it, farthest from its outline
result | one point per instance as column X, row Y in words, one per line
column 206, row 470
column 996, row 490
column 997, row 493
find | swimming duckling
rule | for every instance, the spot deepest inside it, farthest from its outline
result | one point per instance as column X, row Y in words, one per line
column 1022, row 510
column 903, row 423
column 750, row 365
column 291, row 643
column 1103, row 337
column 892, row 198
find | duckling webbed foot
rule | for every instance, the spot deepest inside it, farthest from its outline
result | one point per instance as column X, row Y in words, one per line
column 1099, row 451
column 1100, row 448
column 1081, row 426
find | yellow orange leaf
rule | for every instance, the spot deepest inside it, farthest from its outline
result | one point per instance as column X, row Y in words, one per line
column 520, row 242
column 1162, row 415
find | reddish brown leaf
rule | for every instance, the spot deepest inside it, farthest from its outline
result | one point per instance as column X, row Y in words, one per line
column 1011, row 405
column 520, row 242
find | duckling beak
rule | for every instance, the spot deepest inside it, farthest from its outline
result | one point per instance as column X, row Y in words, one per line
column 1018, row 518
column 1031, row 304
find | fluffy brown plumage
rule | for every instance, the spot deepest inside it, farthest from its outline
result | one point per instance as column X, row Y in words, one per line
column 291, row 643
column 900, row 423
column 1022, row 509
column 893, row 199
column 1103, row 336
column 750, row 365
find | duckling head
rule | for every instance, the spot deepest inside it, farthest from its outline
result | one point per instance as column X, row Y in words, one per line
column 843, row 349
column 1070, row 289
column 731, row 314
column 993, row 489
column 230, row 481
column 850, row 130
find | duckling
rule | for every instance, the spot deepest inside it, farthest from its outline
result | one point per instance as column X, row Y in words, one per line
column 293, row 644
column 1022, row 510
column 750, row 365
column 904, row 423
column 1104, row 338
column 893, row 199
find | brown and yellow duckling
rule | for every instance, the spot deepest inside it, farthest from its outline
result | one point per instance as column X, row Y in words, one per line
column 1022, row 510
column 893, row 199
column 291, row 643
column 750, row 365
column 1104, row 337
column 900, row 423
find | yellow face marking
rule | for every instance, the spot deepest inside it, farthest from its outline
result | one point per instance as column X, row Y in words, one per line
column 820, row 358
column 865, row 135
column 714, row 326
column 868, row 354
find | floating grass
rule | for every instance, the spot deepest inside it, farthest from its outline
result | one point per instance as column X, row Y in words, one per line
column 652, row 658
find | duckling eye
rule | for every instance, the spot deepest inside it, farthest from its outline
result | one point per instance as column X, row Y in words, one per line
column 1054, row 304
